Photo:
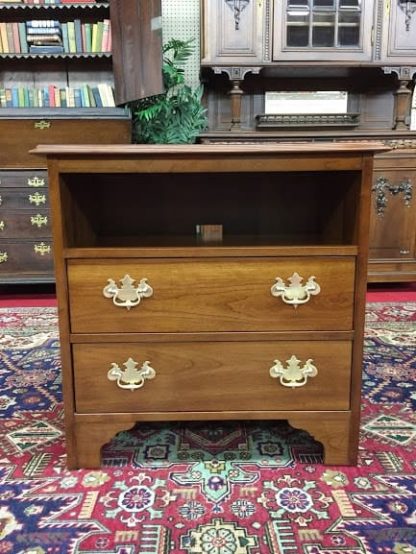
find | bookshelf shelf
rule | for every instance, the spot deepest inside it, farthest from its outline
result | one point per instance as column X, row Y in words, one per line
column 63, row 55
column 51, row 7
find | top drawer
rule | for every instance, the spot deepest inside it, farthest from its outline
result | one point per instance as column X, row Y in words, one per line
column 21, row 135
column 32, row 179
column 211, row 295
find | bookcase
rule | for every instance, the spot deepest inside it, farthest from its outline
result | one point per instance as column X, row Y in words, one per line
column 55, row 55
column 56, row 86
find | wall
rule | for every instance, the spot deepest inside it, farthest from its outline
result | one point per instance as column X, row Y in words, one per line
column 181, row 20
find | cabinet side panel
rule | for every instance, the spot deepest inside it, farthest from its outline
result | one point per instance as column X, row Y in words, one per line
column 137, row 49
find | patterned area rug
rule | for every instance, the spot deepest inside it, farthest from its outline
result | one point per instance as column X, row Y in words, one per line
column 235, row 488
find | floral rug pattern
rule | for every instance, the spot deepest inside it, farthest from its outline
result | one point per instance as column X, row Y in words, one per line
column 206, row 488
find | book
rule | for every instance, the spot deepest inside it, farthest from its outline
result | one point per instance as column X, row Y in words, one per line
column 106, row 35
column 43, row 30
column 94, row 32
column 9, row 98
column 4, row 41
column 71, row 37
column 99, row 39
column 85, row 96
column 15, row 34
column 22, row 37
column 3, row 97
column 87, row 45
column 35, row 23
column 106, row 95
column 15, row 97
column 10, row 41
column 65, row 40
column 44, row 39
column 46, row 49
column 77, row 98
column 97, row 97
column 62, row 96
column 78, row 35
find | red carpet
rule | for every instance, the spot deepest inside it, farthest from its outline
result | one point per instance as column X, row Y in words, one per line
column 392, row 292
column 210, row 488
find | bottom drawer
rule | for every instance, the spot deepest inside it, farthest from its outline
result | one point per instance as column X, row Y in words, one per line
column 208, row 376
column 26, row 257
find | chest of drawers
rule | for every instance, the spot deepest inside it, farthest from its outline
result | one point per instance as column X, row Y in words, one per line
column 25, row 231
column 25, row 234
column 265, row 322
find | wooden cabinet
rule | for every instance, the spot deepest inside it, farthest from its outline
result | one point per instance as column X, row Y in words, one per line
column 264, row 322
column 398, row 32
column 322, row 30
column 393, row 218
column 367, row 49
column 234, row 31
column 272, row 32
column 25, row 231
column 25, row 235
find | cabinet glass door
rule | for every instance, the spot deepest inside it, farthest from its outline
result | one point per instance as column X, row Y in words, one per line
column 320, row 29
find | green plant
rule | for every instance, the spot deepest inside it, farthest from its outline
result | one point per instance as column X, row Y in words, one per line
column 177, row 116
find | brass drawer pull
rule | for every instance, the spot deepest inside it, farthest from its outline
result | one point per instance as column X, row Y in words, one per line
column 3, row 257
column 131, row 378
column 42, row 124
column 295, row 293
column 39, row 220
column 128, row 296
column 1, row 199
column 35, row 182
column 2, row 225
column 37, row 198
column 42, row 249
column 293, row 375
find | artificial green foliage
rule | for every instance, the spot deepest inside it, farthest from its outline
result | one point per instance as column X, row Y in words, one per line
column 177, row 116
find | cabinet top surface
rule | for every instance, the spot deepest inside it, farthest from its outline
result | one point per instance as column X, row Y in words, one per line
column 196, row 150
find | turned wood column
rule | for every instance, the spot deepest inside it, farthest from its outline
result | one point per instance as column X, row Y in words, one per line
column 402, row 96
column 236, row 76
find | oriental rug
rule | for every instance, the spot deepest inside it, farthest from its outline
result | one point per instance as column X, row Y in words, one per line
column 211, row 488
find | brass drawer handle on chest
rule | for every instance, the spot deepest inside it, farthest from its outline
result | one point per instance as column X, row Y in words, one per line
column 42, row 248
column 295, row 293
column 127, row 296
column 2, row 225
column 3, row 257
column 38, row 220
column 293, row 375
column 42, row 124
column 35, row 182
column 131, row 378
column 37, row 198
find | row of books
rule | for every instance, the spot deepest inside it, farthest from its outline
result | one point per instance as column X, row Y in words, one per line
column 70, row 37
column 51, row 96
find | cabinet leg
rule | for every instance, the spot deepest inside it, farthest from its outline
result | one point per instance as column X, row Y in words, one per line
column 89, row 440
column 333, row 431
